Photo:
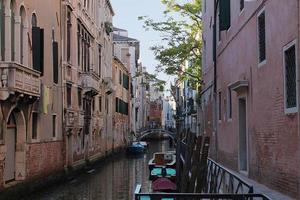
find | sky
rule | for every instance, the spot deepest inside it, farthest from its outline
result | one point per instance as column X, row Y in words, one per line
column 126, row 17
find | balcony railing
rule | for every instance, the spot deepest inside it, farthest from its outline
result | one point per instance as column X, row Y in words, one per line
column 18, row 78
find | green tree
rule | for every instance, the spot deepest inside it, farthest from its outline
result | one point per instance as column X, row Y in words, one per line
column 182, row 40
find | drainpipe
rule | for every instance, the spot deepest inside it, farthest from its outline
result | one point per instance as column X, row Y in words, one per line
column 215, row 78
column 298, row 80
column 64, row 135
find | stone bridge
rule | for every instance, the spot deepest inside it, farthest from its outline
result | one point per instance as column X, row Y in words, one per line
column 140, row 135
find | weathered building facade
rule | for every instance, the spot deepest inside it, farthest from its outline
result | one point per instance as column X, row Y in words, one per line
column 128, row 51
column 87, row 79
column 31, row 138
column 122, row 96
column 256, row 126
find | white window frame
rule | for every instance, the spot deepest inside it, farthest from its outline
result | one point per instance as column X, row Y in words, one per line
column 285, row 48
column 261, row 63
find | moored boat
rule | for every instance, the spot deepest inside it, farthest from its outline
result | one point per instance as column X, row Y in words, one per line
column 163, row 185
column 136, row 148
column 161, row 159
column 163, row 172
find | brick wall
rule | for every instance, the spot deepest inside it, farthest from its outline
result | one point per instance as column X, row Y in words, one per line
column 43, row 159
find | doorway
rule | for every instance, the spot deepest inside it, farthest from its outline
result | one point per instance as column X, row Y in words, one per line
column 243, row 140
column 10, row 141
column 15, row 142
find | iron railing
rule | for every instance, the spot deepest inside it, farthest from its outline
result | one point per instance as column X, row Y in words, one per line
column 221, row 180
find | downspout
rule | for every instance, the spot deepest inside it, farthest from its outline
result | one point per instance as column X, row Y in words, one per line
column 215, row 128
column 64, row 135
column 298, row 80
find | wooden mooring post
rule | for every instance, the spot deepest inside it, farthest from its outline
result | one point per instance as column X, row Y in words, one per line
column 192, row 154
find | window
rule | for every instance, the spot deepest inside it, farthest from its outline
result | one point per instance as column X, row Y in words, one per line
column 34, row 20
column 229, row 102
column 93, row 104
column 106, row 105
column 78, row 44
column 69, row 95
column 54, row 129
column 2, row 33
column 117, row 104
column 55, row 61
column 224, row 15
column 125, row 81
column 242, row 5
column 99, row 58
column 79, row 97
column 261, row 37
column 100, row 103
column 120, row 76
column 69, row 25
column 12, row 31
column 290, row 79
column 37, row 46
column 220, row 106
column 34, row 125
column 22, row 34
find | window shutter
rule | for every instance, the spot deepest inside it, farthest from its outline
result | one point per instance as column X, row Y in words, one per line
column 36, row 52
column 55, row 62
column 224, row 16
column 42, row 51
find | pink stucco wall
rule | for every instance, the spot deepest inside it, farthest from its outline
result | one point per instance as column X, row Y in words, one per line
column 272, row 135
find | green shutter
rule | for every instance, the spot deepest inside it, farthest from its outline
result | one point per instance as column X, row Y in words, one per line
column 55, row 61
column 36, row 51
column 224, row 16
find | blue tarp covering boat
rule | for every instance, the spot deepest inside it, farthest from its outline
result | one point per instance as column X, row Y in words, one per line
column 136, row 148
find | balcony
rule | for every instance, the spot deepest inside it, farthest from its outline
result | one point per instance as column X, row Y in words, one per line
column 109, row 86
column 74, row 118
column 16, row 78
column 90, row 83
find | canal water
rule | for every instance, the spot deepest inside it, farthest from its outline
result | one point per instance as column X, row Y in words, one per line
column 114, row 179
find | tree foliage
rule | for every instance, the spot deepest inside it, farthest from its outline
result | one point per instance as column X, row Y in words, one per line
column 182, row 42
column 151, row 79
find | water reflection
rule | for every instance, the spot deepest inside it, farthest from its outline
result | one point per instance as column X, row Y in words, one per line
column 113, row 180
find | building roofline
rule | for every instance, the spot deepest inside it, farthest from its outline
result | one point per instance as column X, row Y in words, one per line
column 110, row 7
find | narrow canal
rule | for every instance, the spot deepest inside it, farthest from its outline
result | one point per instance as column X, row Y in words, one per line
column 114, row 179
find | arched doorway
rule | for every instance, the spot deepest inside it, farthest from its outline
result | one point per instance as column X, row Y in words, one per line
column 15, row 138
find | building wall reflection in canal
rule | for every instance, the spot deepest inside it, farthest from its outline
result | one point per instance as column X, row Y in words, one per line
column 114, row 179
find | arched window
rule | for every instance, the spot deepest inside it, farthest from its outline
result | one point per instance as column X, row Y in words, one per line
column 22, row 34
column 33, row 20
column 12, row 30
column 2, row 32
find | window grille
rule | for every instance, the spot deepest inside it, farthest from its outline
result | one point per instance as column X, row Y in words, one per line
column 262, row 37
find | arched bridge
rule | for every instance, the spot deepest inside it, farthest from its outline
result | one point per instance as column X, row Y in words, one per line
column 147, row 132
